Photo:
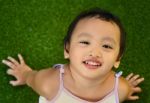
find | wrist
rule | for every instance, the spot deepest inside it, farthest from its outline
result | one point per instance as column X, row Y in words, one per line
column 30, row 76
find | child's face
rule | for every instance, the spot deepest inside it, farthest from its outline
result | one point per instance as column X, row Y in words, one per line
column 94, row 47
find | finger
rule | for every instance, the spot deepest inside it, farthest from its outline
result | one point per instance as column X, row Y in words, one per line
column 133, row 97
column 13, row 60
column 134, row 78
column 14, row 83
column 21, row 59
column 10, row 72
column 8, row 63
column 129, row 76
column 137, row 90
column 139, row 80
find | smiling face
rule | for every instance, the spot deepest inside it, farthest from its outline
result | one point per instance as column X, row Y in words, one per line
column 94, row 47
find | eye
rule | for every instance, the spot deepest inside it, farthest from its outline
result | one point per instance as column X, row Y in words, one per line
column 84, row 42
column 107, row 46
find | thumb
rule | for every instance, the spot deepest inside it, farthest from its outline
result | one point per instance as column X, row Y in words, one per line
column 133, row 98
column 14, row 83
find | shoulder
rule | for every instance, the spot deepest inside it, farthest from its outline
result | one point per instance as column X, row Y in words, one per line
column 123, row 89
column 47, row 81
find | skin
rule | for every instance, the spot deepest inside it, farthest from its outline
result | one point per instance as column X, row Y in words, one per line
column 133, row 81
column 95, row 40
column 97, row 33
column 103, row 47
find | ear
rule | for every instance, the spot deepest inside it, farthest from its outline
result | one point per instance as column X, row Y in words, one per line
column 66, row 52
column 117, row 63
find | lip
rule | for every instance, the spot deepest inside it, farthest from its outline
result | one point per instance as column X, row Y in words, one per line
column 92, row 64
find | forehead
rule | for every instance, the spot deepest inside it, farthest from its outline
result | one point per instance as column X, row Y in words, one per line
column 97, row 28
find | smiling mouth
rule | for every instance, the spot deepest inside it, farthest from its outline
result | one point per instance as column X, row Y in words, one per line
column 92, row 64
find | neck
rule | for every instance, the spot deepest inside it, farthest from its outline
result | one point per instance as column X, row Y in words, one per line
column 84, row 82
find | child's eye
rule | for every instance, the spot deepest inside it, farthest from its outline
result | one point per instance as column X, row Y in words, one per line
column 107, row 46
column 84, row 42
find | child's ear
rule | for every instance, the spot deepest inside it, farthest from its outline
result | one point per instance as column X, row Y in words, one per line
column 66, row 52
column 117, row 63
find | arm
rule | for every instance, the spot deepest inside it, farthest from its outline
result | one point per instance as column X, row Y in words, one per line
column 40, row 81
column 123, row 89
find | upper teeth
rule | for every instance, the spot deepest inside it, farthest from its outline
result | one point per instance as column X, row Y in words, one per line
column 92, row 63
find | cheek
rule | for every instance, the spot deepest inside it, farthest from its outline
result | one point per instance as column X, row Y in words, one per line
column 74, row 52
column 111, row 59
column 77, row 53
column 114, row 55
column 108, row 66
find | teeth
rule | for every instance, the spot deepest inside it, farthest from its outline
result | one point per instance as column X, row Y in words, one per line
column 92, row 63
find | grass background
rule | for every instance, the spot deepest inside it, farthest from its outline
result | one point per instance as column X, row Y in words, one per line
column 35, row 28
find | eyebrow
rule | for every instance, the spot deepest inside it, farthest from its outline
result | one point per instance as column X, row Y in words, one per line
column 103, row 39
column 84, row 34
column 109, row 39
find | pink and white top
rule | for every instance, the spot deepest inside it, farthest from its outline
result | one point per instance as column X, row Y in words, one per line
column 64, row 96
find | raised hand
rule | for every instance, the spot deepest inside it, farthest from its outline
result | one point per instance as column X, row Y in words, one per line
column 134, row 81
column 17, row 69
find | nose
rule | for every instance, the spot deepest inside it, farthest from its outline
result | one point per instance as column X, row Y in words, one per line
column 96, row 52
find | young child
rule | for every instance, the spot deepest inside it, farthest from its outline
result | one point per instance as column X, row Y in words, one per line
column 94, row 45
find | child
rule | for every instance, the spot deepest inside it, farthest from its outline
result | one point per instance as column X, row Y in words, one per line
column 94, row 44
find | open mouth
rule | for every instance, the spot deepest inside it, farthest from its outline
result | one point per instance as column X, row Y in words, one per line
column 92, row 64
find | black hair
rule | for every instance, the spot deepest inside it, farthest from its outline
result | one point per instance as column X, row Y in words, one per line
column 100, row 14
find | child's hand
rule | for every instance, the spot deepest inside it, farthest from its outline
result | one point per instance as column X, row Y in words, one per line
column 17, row 69
column 134, row 81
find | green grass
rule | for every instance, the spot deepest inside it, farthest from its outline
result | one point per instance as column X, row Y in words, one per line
column 35, row 28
